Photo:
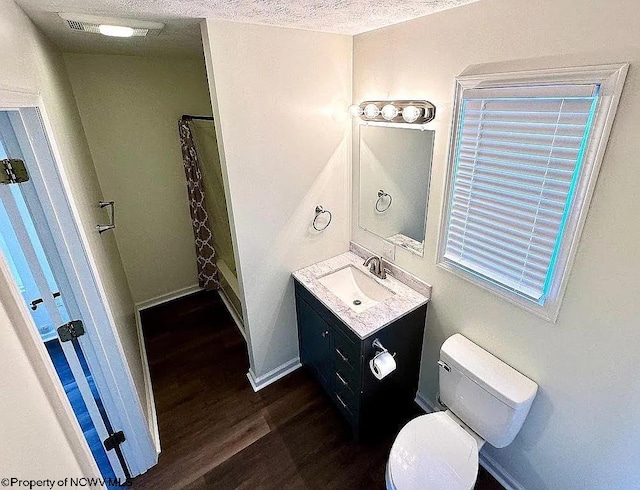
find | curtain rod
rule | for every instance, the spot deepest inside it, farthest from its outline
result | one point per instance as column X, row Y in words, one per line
column 189, row 117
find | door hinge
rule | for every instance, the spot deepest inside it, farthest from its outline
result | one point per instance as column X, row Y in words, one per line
column 70, row 331
column 114, row 440
column 13, row 171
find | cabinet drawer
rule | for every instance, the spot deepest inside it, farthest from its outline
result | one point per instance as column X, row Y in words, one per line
column 345, row 351
column 347, row 378
column 347, row 402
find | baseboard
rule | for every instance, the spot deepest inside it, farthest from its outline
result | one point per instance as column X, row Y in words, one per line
column 425, row 404
column 229, row 277
column 152, row 416
column 498, row 472
column 232, row 311
column 143, row 305
column 257, row 383
column 151, row 402
column 487, row 462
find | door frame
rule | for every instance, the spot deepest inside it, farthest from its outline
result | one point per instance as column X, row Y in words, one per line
column 113, row 378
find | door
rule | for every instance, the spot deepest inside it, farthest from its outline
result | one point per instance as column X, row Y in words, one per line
column 315, row 343
column 27, row 245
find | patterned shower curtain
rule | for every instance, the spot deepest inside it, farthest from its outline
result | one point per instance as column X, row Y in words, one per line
column 205, row 253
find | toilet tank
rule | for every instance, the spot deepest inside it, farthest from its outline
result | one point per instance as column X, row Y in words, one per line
column 487, row 394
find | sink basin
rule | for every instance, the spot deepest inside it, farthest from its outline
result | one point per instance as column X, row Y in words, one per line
column 355, row 288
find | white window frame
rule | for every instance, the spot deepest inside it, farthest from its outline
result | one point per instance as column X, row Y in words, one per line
column 611, row 79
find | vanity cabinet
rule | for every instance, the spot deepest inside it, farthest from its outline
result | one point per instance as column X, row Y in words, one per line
column 339, row 360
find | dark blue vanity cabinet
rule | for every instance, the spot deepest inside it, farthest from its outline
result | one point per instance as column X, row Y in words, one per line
column 339, row 360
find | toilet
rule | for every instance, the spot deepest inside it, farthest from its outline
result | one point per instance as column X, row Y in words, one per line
column 486, row 400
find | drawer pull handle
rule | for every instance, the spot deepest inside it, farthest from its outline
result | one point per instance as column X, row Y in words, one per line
column 344, row 405
column 342, row 380
column 325, row 333
column 339, row 352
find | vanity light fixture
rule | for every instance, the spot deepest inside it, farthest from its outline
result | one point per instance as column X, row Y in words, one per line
column 396, row 111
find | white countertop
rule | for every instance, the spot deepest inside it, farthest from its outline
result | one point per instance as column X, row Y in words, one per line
column 404, row 300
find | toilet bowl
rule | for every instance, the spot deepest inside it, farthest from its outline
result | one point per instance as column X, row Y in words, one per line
column 486, row 400
column 433, row 452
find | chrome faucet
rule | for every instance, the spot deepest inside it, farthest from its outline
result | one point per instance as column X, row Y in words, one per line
column 376, row 267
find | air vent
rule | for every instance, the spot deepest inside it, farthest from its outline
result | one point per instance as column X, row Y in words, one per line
column 92, row 23
column 76, row 26
column 95, row 28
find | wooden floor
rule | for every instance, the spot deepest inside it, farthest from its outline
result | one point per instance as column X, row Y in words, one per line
column 217, row 433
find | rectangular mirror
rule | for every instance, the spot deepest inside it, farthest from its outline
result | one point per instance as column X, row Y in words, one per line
column 395, row 170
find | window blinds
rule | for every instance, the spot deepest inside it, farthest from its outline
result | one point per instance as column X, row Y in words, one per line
column 517, row 158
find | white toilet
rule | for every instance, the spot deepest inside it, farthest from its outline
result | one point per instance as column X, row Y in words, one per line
column 487, row 400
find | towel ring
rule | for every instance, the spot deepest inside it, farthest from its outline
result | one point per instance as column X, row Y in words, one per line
column 319, row 211
column 381, row 195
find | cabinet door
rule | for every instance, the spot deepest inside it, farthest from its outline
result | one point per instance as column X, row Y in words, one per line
column 315, row 343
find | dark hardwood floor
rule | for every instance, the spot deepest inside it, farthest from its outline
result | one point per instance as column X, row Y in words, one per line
column 216, row 432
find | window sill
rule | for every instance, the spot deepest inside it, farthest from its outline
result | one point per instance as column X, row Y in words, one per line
column 548, row 312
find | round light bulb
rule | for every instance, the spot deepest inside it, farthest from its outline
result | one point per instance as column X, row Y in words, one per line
column 355, row 111
column 390, row 112
column 371, row 111
column 411, row 113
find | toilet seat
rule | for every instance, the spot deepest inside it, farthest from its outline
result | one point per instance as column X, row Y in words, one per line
column 433, row 452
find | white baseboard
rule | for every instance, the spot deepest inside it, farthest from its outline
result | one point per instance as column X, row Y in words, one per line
column 487, row 462
column 498, row 472
column 257, row 383
column 232, row 311
column 143, row 305
column 152, row 416
column 425, row 404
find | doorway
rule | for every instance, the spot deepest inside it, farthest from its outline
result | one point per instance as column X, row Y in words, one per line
column 52, row 311
column 40, row 256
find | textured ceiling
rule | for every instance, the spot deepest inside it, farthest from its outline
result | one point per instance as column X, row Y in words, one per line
column 182, row 33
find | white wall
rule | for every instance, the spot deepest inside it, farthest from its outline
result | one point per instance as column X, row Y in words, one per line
column 130, row 106
column 273, row 90
column 583, row 430
column 38, row 439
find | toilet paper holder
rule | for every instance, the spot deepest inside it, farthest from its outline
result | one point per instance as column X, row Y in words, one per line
column 376, row 344
column 383, row 362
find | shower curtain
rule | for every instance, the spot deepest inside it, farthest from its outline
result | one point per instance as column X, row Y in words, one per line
column 205, row 253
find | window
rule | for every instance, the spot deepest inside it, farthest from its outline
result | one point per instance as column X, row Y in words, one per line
column 525, row 152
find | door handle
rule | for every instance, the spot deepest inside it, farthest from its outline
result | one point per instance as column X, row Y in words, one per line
column 34, row 304
column 325, row 333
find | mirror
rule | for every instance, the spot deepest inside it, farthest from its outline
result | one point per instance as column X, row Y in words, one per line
column 395, row 170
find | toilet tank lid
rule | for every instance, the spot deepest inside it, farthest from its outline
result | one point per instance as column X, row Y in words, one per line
column 495, row 376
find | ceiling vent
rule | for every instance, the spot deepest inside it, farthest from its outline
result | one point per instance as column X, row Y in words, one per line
column 93, row 23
